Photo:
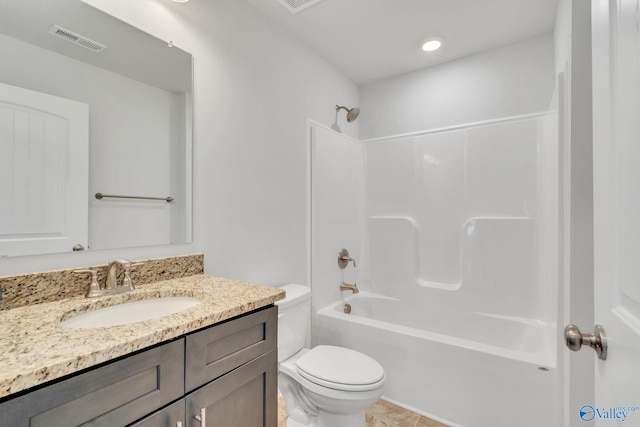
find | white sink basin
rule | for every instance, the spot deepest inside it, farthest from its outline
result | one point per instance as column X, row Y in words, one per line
column 131, row 312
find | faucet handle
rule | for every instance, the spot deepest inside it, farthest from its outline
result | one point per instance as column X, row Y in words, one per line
column 127, row 266
column 344, row 258
column 126, row 281
column 94, row 287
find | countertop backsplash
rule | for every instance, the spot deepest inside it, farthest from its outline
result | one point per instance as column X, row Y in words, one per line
column 36, row 288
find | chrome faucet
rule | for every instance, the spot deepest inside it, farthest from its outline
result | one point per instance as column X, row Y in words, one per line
column 349, row 287
column 110, row 286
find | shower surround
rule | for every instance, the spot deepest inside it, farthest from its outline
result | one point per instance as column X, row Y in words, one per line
column 455, row 234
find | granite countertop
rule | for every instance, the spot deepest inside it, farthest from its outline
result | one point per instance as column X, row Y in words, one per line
column 35, row 348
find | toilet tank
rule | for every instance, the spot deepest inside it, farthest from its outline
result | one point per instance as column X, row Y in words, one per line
column 294, row 314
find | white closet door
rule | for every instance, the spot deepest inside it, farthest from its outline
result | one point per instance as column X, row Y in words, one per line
column 43, row 172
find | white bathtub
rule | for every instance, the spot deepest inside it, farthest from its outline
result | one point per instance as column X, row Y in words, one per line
column 465, row 369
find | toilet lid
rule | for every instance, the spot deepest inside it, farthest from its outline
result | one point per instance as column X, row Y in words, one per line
column 340, row 368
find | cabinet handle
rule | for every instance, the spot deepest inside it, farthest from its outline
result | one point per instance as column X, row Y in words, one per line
column 202, row 417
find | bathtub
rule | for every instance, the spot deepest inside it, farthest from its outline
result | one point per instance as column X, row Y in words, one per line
column 464, row 369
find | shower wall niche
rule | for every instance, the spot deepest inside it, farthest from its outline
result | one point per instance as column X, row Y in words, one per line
column 457, row 217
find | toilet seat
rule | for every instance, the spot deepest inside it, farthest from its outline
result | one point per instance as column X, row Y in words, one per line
column 340, row 368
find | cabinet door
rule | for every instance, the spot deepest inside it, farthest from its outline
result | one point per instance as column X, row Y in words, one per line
column 244, row 397
column 112, row 395
column 171, row 416
column 215, row 351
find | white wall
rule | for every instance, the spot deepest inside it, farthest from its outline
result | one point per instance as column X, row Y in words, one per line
column 508, row 81
column 130, row 155
column 255, row 88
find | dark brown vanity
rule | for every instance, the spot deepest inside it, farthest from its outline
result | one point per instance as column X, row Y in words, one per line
column 222, row 375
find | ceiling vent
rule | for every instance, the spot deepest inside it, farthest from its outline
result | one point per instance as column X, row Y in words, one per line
column 295, row 6
column 70, row 36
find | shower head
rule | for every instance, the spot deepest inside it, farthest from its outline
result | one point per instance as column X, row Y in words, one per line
column 352, row 113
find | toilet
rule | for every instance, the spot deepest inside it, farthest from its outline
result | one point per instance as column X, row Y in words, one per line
column 324, row 386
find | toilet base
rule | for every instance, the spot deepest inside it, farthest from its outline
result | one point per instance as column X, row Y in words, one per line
column 308, row 409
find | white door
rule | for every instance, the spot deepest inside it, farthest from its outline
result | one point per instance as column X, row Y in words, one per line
column 43, row 172
column 616, row 156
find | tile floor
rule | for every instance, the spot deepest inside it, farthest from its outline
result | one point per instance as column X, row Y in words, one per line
column 380, row 414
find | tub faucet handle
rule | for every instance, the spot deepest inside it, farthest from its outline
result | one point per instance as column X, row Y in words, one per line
column 344, row 258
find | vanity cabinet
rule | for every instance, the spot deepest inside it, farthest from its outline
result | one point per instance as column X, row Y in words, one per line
column 226, row 373
column 114, row 394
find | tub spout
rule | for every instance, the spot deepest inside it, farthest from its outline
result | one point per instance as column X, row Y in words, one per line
column 349, row 287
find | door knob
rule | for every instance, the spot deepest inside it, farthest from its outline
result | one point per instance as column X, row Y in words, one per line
column 596, row 340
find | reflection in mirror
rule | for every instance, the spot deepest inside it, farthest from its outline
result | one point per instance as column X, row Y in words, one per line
column 90, row 104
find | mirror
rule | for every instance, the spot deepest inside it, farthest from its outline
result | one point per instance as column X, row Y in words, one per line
column 90, row 104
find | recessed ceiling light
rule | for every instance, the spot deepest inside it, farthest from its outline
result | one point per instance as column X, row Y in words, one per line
column 180, row 1
column 432, row 43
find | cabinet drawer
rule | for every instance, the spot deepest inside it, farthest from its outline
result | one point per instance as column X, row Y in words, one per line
column 113, row 395
column 215, row 351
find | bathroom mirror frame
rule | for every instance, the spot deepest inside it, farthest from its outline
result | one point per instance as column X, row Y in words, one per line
column 144, row 152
